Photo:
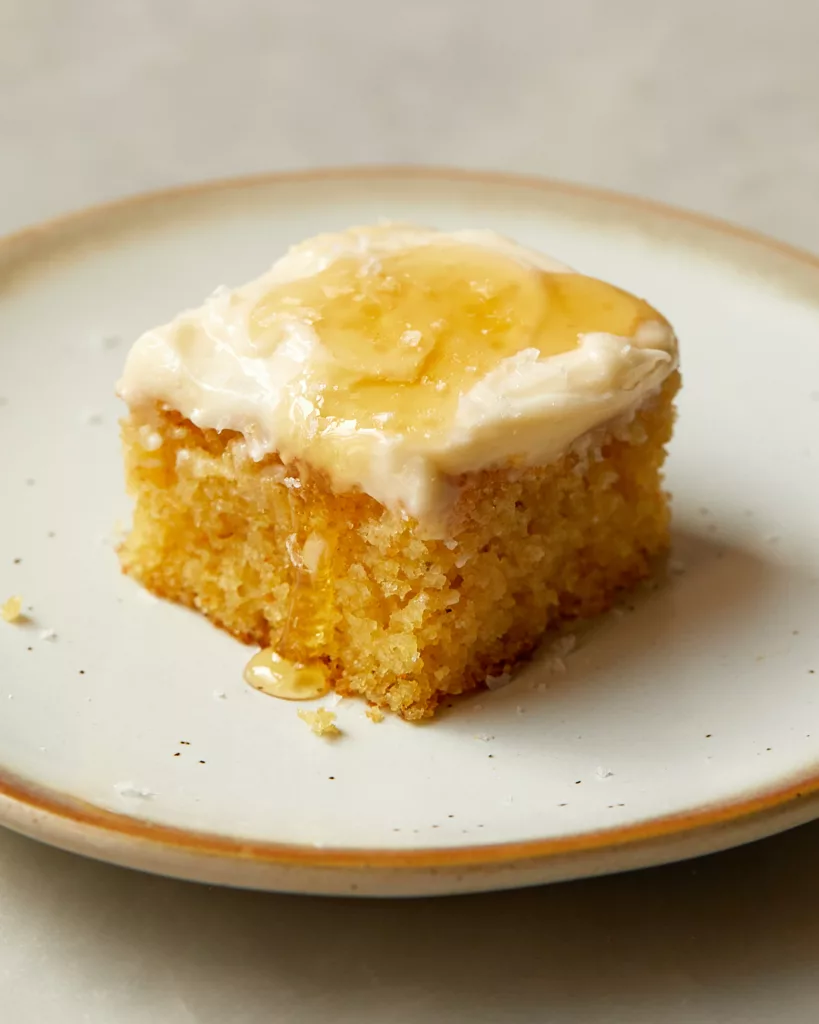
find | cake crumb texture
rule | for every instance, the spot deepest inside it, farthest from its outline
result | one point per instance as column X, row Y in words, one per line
column 274, row 555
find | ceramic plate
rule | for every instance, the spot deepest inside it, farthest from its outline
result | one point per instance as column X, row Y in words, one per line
column 685, row 722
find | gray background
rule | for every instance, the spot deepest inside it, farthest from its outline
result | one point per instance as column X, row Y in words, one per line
column 710, row 104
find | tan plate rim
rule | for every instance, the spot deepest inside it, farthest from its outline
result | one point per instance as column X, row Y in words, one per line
column 42, row 806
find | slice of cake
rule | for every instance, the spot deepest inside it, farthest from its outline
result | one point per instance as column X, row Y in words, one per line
column 397, row 458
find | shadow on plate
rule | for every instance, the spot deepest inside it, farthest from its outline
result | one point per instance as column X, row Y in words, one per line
column 706, row 596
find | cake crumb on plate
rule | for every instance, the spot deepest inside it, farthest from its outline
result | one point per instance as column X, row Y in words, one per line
column 321, row 721
column 12, row 610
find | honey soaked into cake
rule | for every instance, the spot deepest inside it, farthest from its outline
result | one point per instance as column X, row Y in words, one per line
column 293, row 669
column 405, row 335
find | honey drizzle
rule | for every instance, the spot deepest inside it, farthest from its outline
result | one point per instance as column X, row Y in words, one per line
column 278, row 677
column 293, row 667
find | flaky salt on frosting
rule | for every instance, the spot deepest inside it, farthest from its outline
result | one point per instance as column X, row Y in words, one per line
column 395, row 358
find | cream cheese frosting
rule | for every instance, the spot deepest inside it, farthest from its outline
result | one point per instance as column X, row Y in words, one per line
column 395, row 358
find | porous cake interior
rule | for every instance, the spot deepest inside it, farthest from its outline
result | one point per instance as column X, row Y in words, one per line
column 273, row 555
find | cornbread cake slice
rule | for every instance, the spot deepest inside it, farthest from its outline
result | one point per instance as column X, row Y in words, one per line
column 398, row 458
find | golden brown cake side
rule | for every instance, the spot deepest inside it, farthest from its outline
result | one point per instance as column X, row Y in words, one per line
column 399, row 619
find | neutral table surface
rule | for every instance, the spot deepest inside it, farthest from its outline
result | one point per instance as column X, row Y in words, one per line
column 710, row 104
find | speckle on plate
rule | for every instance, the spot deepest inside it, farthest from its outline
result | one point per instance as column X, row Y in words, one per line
column 49, row 635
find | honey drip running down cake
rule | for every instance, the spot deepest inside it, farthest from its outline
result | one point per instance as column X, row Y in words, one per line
column 399, row 457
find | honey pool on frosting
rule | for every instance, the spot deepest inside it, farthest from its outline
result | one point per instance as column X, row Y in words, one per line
column 403, row 335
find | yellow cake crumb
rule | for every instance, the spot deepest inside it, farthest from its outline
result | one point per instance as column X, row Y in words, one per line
column 12, row 610
column 321, row 721
column 374, row 713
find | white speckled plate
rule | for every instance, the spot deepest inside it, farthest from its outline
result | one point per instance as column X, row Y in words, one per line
column 688, row 724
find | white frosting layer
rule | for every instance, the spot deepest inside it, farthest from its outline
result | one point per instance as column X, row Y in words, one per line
column 204, row 365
